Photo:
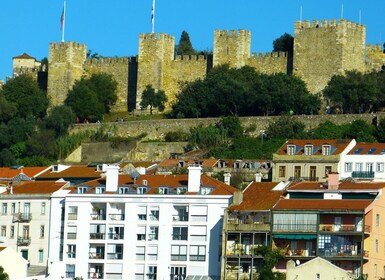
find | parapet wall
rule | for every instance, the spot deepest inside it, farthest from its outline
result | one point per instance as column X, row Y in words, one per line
column 269, row 63
column 375, row 58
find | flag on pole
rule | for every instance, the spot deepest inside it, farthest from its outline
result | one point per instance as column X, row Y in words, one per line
column 153, row 15
column 62, row 20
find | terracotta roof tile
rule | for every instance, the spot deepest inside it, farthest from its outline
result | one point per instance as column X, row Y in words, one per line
column 175, row 162
column 9, row 173
column 258, row 196
column 72, row 172
column 322, row 204
column 363, row 149
column 317, row 186
column 24, row 56
column 340, row 145
column 36, row 187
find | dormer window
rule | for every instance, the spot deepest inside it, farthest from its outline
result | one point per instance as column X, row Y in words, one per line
column 308, row 150
column 163, row 190
column 181, row 163
column 55, row 168
column 326, row 150
column 124, row 190
column 181, row 190
column 141, row 190
column 205, row 190
column 144, row 182
column 100, row 190
column 82, row 189
column 290, row 150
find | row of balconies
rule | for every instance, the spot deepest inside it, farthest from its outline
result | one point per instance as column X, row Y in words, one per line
column 340, row 228
column 22, row 217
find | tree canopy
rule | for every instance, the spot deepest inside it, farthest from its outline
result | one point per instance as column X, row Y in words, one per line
column 243, row 92
column 154, row 99
column 185, row 47
column 285, row 43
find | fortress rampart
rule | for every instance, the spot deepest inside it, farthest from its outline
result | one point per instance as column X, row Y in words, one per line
column 321, row 50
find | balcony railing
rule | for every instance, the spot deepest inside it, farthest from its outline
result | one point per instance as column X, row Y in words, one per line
column 115, row 236
column 180, row 218
column 95, row 275
column 116, row 217
column 97, row 235
column 93, row 255
column 300, row 227
column 363, row 174
column 255, row 221
column 115, row 256
column 308, row 179
column 344, row 228
column 342, row 253
column 242, row 250
column 22, row 217
column 23, row 241
column 95, row 216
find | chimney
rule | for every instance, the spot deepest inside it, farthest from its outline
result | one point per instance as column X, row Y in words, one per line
column 227, row 177
column 112, row 175
column 258, row 177
column 237, row 198
column 333, row 181
column 194, row 178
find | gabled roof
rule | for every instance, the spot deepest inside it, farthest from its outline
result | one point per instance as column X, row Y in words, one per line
column 323, row 204
column 345, row 186
column 337, row 145
column 175, row 162
column 155, row 181
column 258, row 196
column 368, row 149
column 24, row 56
column 45, row 187
column 8, row 173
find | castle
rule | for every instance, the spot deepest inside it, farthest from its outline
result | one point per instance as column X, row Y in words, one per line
column 321, row 50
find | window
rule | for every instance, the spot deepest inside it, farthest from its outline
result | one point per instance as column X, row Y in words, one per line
column 100, row 190
column 163, row 190
column 375, row 270
column 198, row 213
column 42, row 208
column 297, row 171
column 181, row 190
column 318, row 276
column 70, row 271
column 377, row 220
column 71, row 251
column 205, row 190
column 328, row 169
column 82, row 189
column 124, row 190
column 151, row 272
column 198, row 253
column 197, row 233
column 71, row 233
column 72, row 213
column 178, row 252
column 348, row 167
column 282, row 171
column 141, row 235
column 3, row 231
column 12, row 232
column 326, row 150
column 179, row 233
column 324, row 240
column 154, row 214
column 180, row 213
column 41, row 255
column 376, row 246
column 13, row 208
column 290, row 150
column 359, row 166
column 140, row 250
column 25, row 232
column 152, row 253
column 115, row 251
column 142, row 213
column 139, row 272
column 308, row 150
column 380, row 167
column 369, row 167
column 178, row 272
column 141, row 190
column 153, row 235
column 42, row 231
column 4, row 209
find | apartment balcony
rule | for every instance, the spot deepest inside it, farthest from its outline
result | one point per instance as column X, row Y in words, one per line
column 115, row 256
column 344, row 228
column 96, row 256
column 363, row 174
column 336, row 253
column 23, row 241
column 95, row 275
column 22, row 217
column 98, row 235
column 98, row 217
column 244, row 250
column 180, row 218
column 116, row 217
column 300, row 227
column 248, row 222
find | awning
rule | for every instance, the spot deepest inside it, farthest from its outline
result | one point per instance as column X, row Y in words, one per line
column 295, row 236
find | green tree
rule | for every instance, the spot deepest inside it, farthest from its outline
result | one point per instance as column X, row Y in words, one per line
column 105, row 88
column 154, row 99
column 286, row 127
column 232, row 125
column 328, row 130
column 270, row 259
column 361, row 131
column 29, row 99
column 42, row 143
column 7, row 109
column 380, row 131
column 59, row 119
column 3, row 274
column 285, row 43
column 206, row 137
column 185, row 47
column 7, row 158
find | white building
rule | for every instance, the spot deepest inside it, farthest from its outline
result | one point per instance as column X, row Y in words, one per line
column 148, row 227
column 365, row 161
column 25, row 220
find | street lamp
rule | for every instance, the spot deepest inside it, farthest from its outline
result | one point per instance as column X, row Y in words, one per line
column 262, row 133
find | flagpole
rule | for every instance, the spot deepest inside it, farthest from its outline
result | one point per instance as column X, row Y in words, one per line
column 153, row 17
column 63, row 21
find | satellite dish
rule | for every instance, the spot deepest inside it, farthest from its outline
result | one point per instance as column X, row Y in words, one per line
column 297, row 262
column 135, row 175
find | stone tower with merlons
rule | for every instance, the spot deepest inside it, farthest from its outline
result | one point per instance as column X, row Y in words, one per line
column 65, row 66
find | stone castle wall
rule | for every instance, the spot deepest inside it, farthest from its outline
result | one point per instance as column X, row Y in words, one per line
column 321, row 50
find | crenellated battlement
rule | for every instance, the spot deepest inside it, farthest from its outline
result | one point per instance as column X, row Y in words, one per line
column 268, row 55
column 232, row 33
column 190, row 58
column 325, row 23
column 67, row 45
column 374, row 48
column 156, row 37
column 108, row 60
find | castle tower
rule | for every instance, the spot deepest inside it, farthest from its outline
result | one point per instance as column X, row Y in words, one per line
column 232, row 49
column 65, row 66
column 156, row 53
column 323, row 49
column 25, row 64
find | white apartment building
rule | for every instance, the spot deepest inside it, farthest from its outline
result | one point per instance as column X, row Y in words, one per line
column 25, row 220
column 365, row 161
column 144, row 227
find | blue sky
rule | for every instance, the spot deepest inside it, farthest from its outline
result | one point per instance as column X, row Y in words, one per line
column 112, row 27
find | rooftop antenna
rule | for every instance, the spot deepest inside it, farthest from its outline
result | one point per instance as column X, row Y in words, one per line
column 63, row 21
column 153, row 17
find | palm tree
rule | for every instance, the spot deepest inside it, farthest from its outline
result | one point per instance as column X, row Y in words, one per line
column 3, row 275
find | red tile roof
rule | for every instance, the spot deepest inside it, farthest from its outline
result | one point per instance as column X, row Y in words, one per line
column 79, row 171
column 365, row 147
column 36, row 187
column 317, row 186
column 24, row 56
column 322, row 204
column 9, row 173
column 340, row 145
column 258, row 196
column 175, row 162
